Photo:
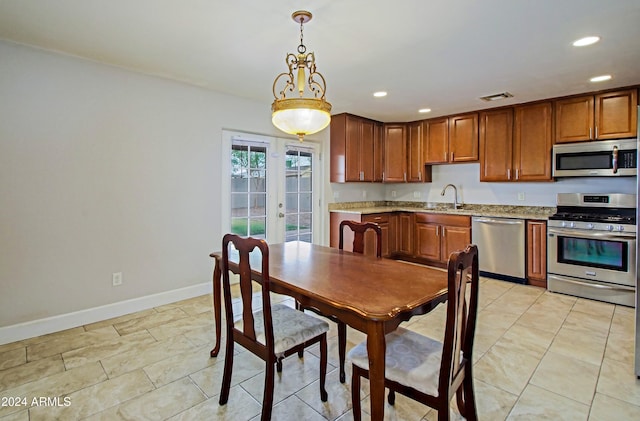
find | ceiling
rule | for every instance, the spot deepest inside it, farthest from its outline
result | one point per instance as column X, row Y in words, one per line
column 438, row 54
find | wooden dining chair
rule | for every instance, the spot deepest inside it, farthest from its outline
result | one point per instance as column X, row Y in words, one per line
column 424, row 369
column 271, row 333
column 359, row 230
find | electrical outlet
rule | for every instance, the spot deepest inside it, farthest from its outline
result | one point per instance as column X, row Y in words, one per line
column 364, row 194
column 116, row 279
column 416, row 195
column 521, row 196
column 336, row 194
column 393, row 193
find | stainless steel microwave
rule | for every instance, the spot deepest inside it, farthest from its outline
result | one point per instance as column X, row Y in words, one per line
column 601, row 158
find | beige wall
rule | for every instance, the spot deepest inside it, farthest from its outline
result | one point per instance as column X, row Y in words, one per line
column 104, row 170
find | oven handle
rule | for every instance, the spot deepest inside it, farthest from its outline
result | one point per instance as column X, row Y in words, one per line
column 589, row 235
column 592, row 284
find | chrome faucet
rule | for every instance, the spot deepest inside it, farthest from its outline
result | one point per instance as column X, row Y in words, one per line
column 456, row 205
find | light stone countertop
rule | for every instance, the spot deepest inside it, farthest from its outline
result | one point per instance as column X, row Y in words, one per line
column 502, row 211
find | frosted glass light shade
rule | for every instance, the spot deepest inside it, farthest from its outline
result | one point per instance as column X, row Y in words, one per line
column 301, row 116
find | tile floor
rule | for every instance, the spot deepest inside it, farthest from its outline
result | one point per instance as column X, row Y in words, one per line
column 538, row 356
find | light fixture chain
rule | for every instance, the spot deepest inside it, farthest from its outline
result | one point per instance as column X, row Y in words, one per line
column 301, row 48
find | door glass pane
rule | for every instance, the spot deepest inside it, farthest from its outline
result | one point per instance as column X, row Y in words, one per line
column 292, row 203
column 291, row 227
column 304, row 202
column 248, row 190
column 258, row 181
column 299, row 197
column 292, row 182
column 239, row 206
column 257, row 227
column 258, row 204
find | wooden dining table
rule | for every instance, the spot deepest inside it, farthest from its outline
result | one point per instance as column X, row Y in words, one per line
column 369, row 294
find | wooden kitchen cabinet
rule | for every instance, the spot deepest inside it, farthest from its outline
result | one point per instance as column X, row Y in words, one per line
column 353, row 148
column 414, row 152
column 387, row 223
column 388, row 226
column 436, row 140
column 537, row 253
column 439, row 235
column 516, row 143
column 496, row 145
column 608, row 115
column 417, row 171
column 452, row 139
column 463, row 138
column 395, row 153
column 405, row 234
column 533, row 142
column 378, row 153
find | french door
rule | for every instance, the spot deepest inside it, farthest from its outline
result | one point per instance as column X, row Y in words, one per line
column 272, row 188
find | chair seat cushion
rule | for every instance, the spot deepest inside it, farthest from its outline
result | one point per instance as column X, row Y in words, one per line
column 411, row 359
column 290, row 327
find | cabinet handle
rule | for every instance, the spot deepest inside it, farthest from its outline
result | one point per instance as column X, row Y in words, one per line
column 446, row 156
column 438, row 231
column 508, row 173
column 420, row 175
column 452, row 157
column 405, row 176
column 590, row 137
column 382, row 175
column 596, row 132
column 517, row 175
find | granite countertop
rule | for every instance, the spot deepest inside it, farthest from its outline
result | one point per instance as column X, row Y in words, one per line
column 504, row 211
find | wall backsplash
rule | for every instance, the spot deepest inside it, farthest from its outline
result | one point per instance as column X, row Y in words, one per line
column 466, row 177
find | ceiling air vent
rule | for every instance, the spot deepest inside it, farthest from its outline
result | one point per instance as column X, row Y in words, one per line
column 496, row 97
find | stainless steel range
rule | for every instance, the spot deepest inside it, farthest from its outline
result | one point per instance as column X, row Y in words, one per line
column 591, row 244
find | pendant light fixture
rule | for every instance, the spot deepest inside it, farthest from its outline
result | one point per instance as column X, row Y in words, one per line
column 307, row 112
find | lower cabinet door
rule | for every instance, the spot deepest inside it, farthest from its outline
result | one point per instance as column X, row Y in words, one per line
column 453, row 239
column 428, row 241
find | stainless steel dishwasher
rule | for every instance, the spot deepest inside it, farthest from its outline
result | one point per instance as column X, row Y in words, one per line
column 501, row 247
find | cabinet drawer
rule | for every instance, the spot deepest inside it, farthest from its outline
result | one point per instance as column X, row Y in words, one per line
column 378, row 218
column 444, row 219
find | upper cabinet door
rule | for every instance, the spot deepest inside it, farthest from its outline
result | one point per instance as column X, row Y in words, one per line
column 532, row 142
column 574, row 119
column 463, row 138
column 353, row 149
column 610, row 115
column 616, row 114
column 436, row 141
column 353, row 142
column 395, row 153
column 367, row 144
column 378, row 152
column 415, row 163
column 496, row 145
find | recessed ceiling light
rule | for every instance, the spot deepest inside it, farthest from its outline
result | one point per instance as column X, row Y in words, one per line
column 424, row 110
column 379, row 94
column 600, row 78
column 582, row 42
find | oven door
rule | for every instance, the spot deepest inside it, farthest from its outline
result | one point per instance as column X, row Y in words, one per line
column 594, row 255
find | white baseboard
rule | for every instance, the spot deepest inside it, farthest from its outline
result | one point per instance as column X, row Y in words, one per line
column 52, row 324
